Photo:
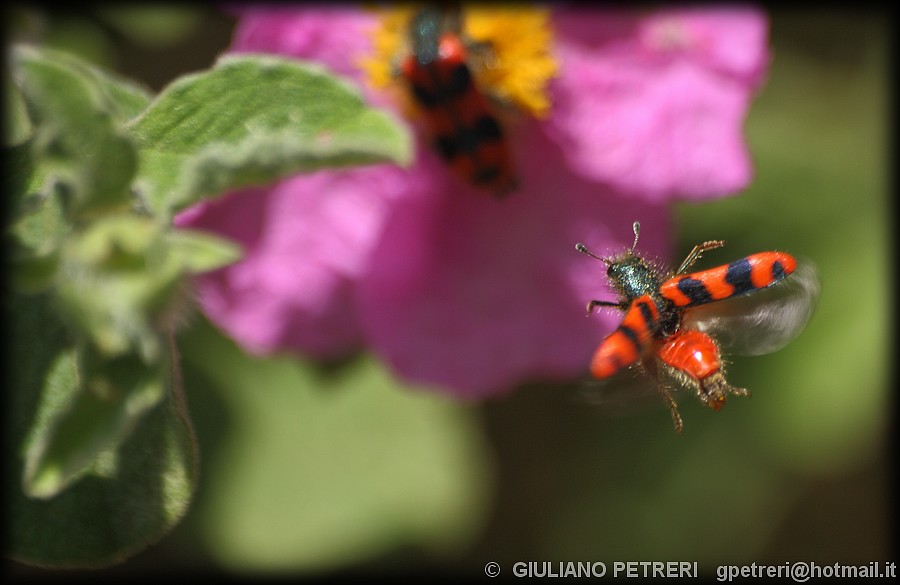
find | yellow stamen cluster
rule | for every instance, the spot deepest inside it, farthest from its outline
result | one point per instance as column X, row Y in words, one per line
column 510, row 52
column 389, row 45
column 519, row 64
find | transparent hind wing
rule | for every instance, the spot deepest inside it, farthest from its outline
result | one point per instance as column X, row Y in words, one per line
column 628, row 391
column 632, row 390
column 764, row 321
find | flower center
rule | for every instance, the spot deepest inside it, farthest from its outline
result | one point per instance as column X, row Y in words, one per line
column 507, row 51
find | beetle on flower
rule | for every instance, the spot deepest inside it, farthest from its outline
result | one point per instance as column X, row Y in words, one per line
column 609, row 115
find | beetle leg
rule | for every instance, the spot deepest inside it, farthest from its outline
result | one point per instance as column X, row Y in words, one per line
column 592, row 304
column 697, row 252
column 673, row 408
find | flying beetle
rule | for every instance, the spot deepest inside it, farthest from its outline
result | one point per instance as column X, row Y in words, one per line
column 673, row 321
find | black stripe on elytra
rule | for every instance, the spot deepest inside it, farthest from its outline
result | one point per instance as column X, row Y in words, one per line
column 738, row 276
column 777, row 271
column 487, row 129
column 632, row 336
column 694, row 290
column 649, row 320
column 442, row 92
column 486, row 175
column 467, row 140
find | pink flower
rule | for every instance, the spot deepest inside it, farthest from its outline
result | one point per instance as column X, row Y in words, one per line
column 654, row 104
column 459, row 290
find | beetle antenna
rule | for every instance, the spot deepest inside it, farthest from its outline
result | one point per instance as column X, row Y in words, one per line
column 583, row 249
column 636, row 227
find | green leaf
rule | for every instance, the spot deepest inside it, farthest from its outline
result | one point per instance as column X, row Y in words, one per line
column 96, row 415
column 124, row 276
column 251, row 120
column 119, row 280
column 39, row 228
column 201, row 252
column 34, row 272
column 44, row 360
column 77, row 113
column 101, row 520
column 124, row 98
column 125, row 498
column 18, row 125
column 105, row 458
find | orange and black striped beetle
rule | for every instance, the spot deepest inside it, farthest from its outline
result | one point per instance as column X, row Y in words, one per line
column 670, row 326
column 464, row 129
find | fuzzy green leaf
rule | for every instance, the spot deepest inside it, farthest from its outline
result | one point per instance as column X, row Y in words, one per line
column 123, row 98
column 127, row 496
column 120, row 279
column 251, row 120
column 98, row 415
column 39, row 227
column 77, row 114
column 18, row 125
column 201, row 252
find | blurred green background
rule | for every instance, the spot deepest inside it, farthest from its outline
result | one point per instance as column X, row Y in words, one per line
column 312, row 468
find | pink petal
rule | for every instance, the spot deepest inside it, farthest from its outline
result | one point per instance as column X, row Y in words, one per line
column 475, row 295
column 306, row 240
column 655, row 106
column 731, row 40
